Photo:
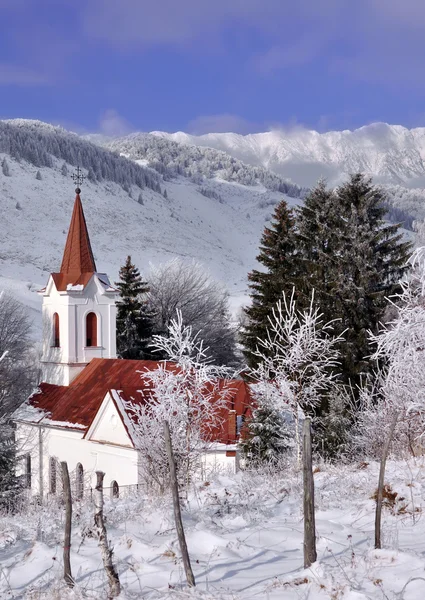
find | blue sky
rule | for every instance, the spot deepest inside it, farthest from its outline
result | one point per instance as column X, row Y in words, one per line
column 213, row 65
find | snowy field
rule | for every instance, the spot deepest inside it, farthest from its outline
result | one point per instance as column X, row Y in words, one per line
column 244, row 534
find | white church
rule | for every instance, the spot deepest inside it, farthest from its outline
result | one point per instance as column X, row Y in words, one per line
column 77, row 413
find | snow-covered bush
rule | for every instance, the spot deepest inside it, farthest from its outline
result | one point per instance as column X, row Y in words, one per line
column 189, row 394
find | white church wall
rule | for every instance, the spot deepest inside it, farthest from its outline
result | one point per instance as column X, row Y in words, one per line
column 216, row 461
column 108, row 425
column 119, row 464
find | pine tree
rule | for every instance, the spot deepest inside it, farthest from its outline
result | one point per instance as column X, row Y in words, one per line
column 353, row 260
column 38, row 176
column 134, row 320
column 278, row 256
column 266, row 437
column 64, row 170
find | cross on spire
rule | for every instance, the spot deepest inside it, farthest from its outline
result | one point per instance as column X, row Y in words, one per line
column 78, row 178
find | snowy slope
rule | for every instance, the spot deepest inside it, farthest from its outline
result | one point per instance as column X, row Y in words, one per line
column 390, row 153
column 222, row 233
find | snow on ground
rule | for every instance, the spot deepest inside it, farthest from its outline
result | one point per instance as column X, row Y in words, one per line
column 244, row 534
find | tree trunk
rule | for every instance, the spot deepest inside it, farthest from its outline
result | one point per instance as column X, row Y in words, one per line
column 176, row 504
column 310, row 554
column 379, row 496
column 111, row 572
column 68, row 521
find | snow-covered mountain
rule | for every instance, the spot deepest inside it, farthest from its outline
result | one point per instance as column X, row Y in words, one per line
column 390, row 153
column 130, row 209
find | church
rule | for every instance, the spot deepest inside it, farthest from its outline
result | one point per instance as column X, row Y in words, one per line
column 78, row 412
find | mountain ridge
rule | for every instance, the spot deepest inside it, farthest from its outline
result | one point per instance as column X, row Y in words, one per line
column 392, row 154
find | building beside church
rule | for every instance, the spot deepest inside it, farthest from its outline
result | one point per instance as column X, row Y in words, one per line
column 78, row 413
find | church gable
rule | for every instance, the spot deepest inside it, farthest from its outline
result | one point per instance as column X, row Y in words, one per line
column 107, row 426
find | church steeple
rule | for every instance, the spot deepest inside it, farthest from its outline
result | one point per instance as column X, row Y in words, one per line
column 79, row 307
column 78, row 256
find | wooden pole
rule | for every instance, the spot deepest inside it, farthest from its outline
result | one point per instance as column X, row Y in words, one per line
column 379, row 496
column 310, row 554
column 176, row 504
column 68, row 522
column 106, row 551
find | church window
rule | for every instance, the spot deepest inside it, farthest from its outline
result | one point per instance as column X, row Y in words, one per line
column 91, row 329
column 56, row 338
column 115, row 490
column 80, row 480
column 52, row 475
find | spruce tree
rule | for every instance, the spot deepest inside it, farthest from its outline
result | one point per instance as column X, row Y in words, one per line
column 134, row 320
column 353, row 260
column 280, row 274
column 266, row 436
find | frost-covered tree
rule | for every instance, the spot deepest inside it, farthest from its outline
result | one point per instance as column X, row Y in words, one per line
column 188, row 392
column 64, row 170
column 134, row 318
column 38, row 176
column 203, row 303
column 5, row 168
column 297, row 358
column 278, row 258
column 18, row 376
column 140, row 199
column 399, row 388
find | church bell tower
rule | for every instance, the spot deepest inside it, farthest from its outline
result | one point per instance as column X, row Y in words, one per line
column 79, row 308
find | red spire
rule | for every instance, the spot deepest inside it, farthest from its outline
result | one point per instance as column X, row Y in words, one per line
column 78, row 255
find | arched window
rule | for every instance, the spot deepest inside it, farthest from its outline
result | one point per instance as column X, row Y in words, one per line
column 115, row 490
column 28, row 470
column 91, row 329
column 56, row 337
column 52, row 475
column 79, row 475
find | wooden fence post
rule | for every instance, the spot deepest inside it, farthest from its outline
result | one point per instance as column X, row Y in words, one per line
column 379, row 495
column 176, row 504
column 106, row 551
column 68, row 522
column 310, row 554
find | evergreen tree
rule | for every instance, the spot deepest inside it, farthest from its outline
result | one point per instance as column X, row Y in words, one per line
column 278, row 257
column 266, row 437
column 38, row 176
column 64, row 170
column 353, row 260
column 134, row 320
column 140, row 199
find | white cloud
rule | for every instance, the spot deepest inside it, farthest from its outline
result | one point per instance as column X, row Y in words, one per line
column 113, row 124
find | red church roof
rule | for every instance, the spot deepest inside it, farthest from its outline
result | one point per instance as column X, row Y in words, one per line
column 78, row 403
column 78, row 263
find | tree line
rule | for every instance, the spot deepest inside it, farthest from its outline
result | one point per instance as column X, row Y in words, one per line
column 40, row 144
